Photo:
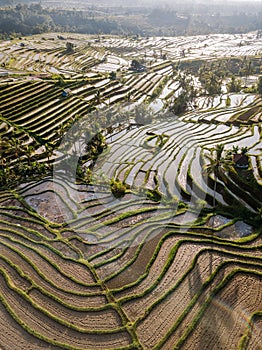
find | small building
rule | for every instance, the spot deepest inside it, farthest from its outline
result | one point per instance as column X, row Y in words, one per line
column 240, row 161
column 66, row 93
column 136, row 66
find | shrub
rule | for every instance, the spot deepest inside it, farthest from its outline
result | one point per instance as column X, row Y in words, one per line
column 154, row 195
column 143, row 115
column 228, row 101
column 118, row 188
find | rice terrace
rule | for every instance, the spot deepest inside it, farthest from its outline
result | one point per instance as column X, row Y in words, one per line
column 131, row 201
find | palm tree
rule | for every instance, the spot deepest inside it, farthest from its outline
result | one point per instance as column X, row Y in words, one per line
column 216, row 166
column 4, row 147
column 5, row 165
column 259, row 85
column 49, row 152
column 244, row 150
column 16, row 147
column 29, row 151
column 61, row 131
column 247, row 71
column 98, row 94
column 235, row 149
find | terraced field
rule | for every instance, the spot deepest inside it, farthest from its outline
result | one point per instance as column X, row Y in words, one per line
column 175, row 261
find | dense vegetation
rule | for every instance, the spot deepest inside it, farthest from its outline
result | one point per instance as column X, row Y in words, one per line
column 31, row 18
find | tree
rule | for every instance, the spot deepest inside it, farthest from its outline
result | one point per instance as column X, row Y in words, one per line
column 179, row 105
column 49, row 152
column 247, row 71
column 69, row 47
column 29, row 152
column 259, row 85
column 112, row 75
column 244, row 150
column 234, row 85
column 98, row 94
column 94, row 146
column 211, row 76
column 118, row 188
column 216, row 164
column 143, row 115
column 4, row 165
column 228, row 101
column 212, row 84
column 135, row 64
column 16, row 147
column 235, row 149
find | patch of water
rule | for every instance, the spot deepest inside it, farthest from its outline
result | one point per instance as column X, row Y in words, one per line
column 217, row 221
column 157, row 105
column 238, row 230
column 54, row 70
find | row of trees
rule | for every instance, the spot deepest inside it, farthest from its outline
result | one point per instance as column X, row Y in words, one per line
column 33, row 18
column 188, row 93
column 221, row 163
column 19, row 161
column 212, row 76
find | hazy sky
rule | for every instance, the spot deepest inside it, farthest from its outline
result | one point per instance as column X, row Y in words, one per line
column 210, row 1
column 170, row 2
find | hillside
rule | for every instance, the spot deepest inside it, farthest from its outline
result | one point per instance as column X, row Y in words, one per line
column 130, row 200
